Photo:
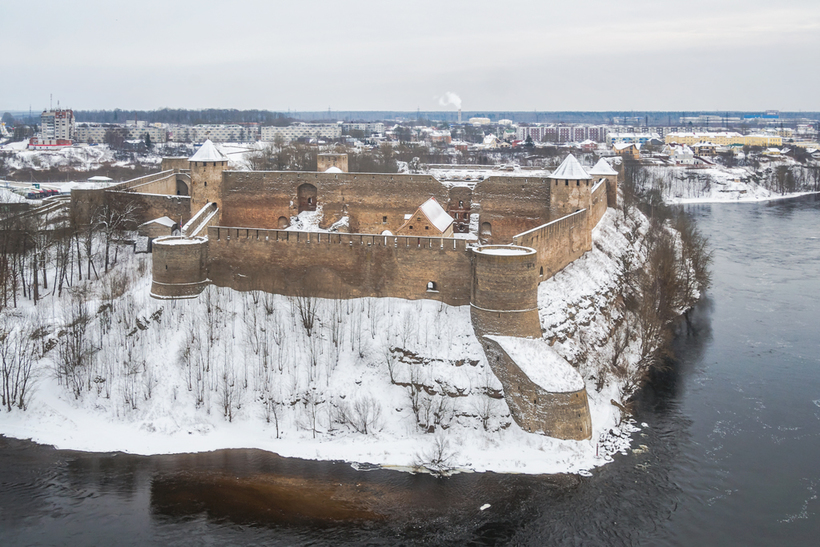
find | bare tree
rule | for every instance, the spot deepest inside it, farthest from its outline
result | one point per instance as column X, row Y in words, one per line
column 74, row 347
column 113, row 219
column 312, row 399
column 17, row 356
column 438, row 459
column 307, row 308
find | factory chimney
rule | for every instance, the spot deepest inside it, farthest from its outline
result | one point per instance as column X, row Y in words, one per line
column 459, row 114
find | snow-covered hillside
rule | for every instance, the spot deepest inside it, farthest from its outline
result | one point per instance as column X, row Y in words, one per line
column 79, row 158
column 725, row 184
column 83, row 158
column 384, row 381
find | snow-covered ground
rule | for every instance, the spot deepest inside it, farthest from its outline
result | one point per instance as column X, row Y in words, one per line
column 722, row 184
column 238, row 153
column 80, row 158
column 307, row 377
column 7, row 195
column 472, row 175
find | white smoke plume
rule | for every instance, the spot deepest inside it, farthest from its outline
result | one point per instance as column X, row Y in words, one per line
column 450, row 98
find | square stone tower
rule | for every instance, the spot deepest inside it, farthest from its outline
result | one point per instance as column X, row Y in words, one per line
column 570, row 188
column 206, row 176
column 328, row 161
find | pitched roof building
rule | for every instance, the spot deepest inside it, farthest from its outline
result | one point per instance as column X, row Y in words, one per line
column 429, row 220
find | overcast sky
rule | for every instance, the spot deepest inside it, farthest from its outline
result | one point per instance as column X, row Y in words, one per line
column 383, row 55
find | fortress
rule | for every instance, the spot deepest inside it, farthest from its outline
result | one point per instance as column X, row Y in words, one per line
column 237, row 232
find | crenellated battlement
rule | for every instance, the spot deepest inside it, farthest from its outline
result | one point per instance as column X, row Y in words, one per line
column 295, row 237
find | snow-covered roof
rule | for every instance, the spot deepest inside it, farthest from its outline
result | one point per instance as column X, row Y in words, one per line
column 333, row 169
column 541, row 363
column 165, row 221
column 602, row 168
column 208, row 152
column 436, row 214
column 503, row 250
column 570, row 169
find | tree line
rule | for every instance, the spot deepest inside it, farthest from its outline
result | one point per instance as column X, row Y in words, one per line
column 184, row 116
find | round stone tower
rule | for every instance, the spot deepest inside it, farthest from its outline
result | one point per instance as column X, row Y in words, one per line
column 504, row 297
column 206, row 176
column 180, row 266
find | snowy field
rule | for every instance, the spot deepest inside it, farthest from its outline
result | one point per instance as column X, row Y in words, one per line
column 382, row 381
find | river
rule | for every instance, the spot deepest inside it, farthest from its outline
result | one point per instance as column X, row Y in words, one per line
column 730, row 454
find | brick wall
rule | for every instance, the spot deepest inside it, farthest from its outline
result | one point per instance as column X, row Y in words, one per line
column 326, row 161
column 568, row 196
column 258, row 199
column 151, row 206
column 511, row 205
column 560, row 415
column 179, row 267
column 598, row 203
column 84, row 201
column 179, row 163
column 206, row 183
column 157, row 185
column 504, row 293
column 340, row 265
column 558, row 242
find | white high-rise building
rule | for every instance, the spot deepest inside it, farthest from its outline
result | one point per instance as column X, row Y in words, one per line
column 57, row 130
column 57, row 124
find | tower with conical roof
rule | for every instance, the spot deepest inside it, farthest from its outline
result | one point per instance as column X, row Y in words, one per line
column 570, row 188
column 206, row 176
column 602, row 169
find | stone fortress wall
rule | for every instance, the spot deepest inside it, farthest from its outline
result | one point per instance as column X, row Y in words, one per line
column 339, row 265
column 166, row 193
column 558, row 414
column 548, row 222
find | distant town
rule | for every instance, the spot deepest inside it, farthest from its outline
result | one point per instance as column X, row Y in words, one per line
column 707, row 133
column 694, row 155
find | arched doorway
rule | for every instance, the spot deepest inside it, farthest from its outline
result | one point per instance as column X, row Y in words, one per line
column 306, row 197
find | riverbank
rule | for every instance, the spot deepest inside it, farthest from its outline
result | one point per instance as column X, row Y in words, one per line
column 738, row 197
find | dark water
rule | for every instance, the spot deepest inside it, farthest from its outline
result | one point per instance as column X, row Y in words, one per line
column 732, row 451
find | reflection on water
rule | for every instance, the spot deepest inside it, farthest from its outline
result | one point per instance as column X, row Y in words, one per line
column 728, row 457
